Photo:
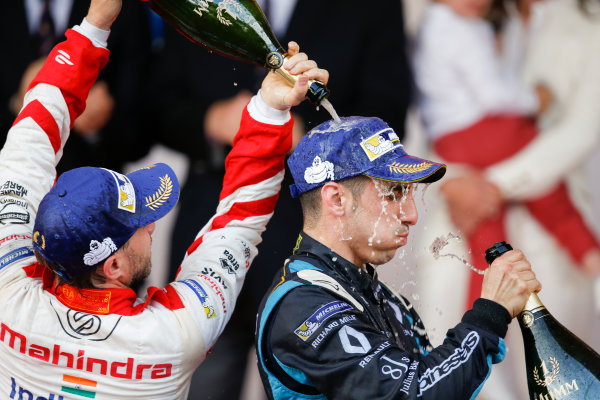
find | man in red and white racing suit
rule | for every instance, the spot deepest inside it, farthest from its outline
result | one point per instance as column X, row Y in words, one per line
column 59, row 341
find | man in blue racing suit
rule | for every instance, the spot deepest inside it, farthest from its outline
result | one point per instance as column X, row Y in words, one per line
column 328, row 328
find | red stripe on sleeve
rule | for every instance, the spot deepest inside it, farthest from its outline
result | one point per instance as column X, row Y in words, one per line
column 73, row 66
column 258, row 153
column 44, row 119
column 194, row 246
column 241, row 211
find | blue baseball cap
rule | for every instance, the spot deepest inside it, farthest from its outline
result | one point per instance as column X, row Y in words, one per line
column 90, row 213
column 355, row 146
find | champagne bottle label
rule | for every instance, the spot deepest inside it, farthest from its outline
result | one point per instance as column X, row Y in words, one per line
column 225, row 11
column 559, row 365
column 547, row 376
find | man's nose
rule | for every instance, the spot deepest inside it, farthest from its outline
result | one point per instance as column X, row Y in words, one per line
column 409, row 214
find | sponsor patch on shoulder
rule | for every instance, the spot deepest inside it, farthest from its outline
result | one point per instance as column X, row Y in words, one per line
column 313, row 322
column 15, row 255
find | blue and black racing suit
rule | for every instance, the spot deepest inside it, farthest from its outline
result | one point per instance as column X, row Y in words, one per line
column 328, row 329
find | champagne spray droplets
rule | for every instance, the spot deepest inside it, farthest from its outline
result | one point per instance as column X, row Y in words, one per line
column 442, row 241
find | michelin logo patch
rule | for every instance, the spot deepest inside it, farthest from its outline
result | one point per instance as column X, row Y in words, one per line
column 15, row 255
column 319, row 171
column 380, row 143
column 202, row 295
column 313, row 322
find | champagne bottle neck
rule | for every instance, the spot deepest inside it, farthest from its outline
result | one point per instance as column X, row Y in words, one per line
column 533, row 303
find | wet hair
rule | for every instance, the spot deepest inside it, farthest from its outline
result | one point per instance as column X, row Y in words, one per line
column 310, row 201
column 356, row 184
column 83, row 281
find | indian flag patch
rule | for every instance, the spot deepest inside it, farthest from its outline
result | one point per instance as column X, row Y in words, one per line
column 79, row 386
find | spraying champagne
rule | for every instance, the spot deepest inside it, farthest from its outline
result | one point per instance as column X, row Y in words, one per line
column 234, row 28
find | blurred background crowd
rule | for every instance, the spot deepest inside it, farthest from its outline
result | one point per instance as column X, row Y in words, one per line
column 505, row 91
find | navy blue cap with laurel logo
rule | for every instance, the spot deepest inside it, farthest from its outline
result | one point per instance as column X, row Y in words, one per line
column 356, row 146
column 92, row 212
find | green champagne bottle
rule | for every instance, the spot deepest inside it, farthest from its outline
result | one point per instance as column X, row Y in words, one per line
column 234, row 28
column 559, row 364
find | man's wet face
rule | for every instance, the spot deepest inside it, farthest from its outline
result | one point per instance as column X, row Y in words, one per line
column 380, row 219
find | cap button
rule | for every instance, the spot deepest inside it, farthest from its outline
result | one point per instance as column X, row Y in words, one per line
column 62, row 193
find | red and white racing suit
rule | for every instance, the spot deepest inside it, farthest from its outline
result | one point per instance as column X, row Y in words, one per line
column 62, row 343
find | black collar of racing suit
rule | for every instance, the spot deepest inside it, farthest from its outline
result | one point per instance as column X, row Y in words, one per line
column 363, row 284
column 365, row 281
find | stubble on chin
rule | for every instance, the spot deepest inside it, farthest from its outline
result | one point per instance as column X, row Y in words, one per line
column 143, row 267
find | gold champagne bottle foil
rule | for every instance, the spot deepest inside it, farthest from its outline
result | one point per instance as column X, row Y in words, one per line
column 533, row 303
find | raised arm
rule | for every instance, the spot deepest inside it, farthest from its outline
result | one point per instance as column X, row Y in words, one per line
column 36, row 140
column 213, row 270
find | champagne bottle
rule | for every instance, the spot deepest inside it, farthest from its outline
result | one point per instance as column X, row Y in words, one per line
column 559, row 364
column 234, row 28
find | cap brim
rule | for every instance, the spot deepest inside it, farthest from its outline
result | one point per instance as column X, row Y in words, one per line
column 157, row 191
column 408, row 169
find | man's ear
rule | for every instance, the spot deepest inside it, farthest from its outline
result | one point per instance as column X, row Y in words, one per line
column 111, row 269
column 334, row 198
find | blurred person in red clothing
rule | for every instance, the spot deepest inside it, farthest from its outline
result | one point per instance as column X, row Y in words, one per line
column 477, row 115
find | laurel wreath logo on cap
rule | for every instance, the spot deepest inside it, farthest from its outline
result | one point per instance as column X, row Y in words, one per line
column 39, row 239
column 162, row 194
column 408, row 168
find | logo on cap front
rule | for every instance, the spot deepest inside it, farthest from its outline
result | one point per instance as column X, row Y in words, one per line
column 125, row 192
column 318, row 171
column 398, row 168
column 380, row 143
